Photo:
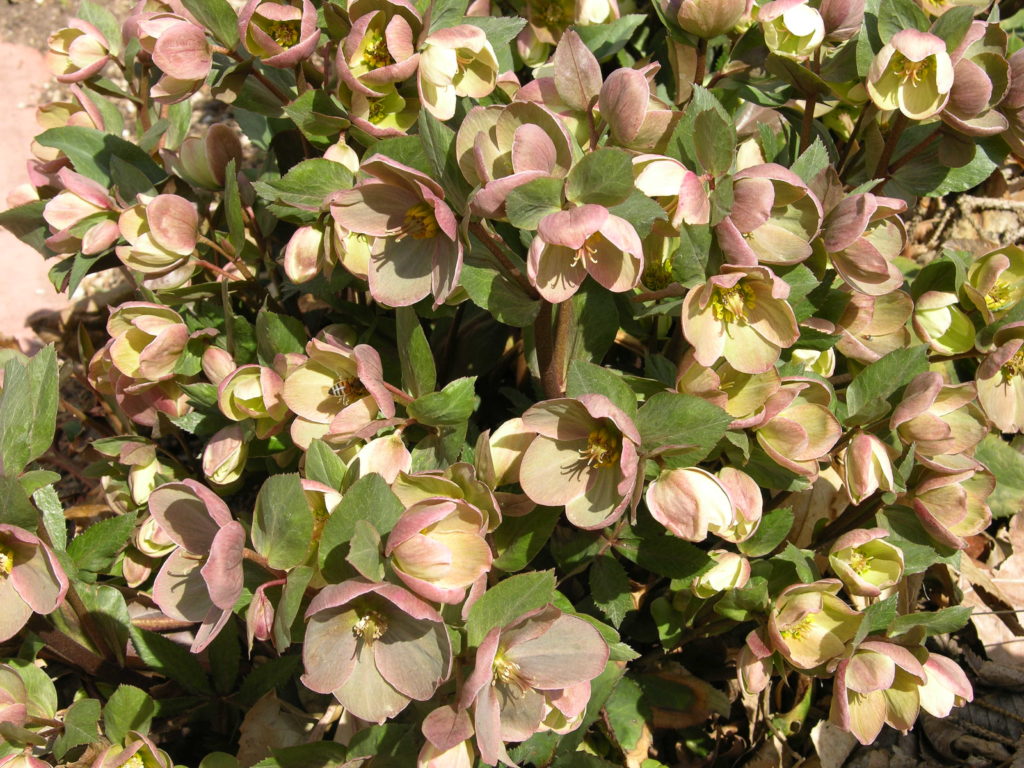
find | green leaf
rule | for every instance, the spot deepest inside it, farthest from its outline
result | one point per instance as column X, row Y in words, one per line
column 661, row 553
column 668, row 418
column 920, row 551
column 934, row 623
column 952, row 25
column 16, row 508
column 506, row 601
column 109, row 612
column 80, row 727
column 586, row 378
column 170, row 659
column 28, row 410
column 318, row 115
column 267, row 677
column 609, row 587
column 896, row 15
column 1007, row 464
column 503, row 299
column 713, row 141
column 814, row 160
column 595, row 321
column 26, row 223
column 320, row 754
column 419, row 373
column 627, row 713
column 218, row 17
column 867, row 396
column 128, row 709
column 446, row 13
column 307, row 185
column 278, row 334
column 364, row 551
column 369, row 499
column 233, row 208
column 225, row 655
column 104, row 21
column 91, row 152
column 605, row 40
column 528, row 203
column 324, row 466
column 500, row 32
column 927, row 175
column 129, row 181
column 877, row 617
column 743, row 604
column 48, row 502
column 392, row 745
column 288, row 606
column 96, row 547
column 771, row 532
column 282, row 523
column 407, row 150
column 603, row 177
column 439, row 144
column 42, row 696
column 519, row 539
column 640, row 211
column 451, row 406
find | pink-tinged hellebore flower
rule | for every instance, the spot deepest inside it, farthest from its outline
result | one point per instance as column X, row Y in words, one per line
column 741, row 315
column 281, row 34
column 995, row 281
column 305, row 255
column 801, row 430
column 138, row 751
column 203, row 160
column 254, row 392
column 941, row 324
column 416, row 249
column 1000, row 379
column 637, row 119
column 842, row 18
column 14, row 697
column 730, row 571
column 338, row 390
column 386, row 456
column 584, row 457
column 912, row 73
column 148, row 340
column 380, row 49
column 571, row 244
column 180, row 49
column 863, row 234
column 449, row 734
column 201, row 580
column 438, row 549
column 878, row 684
column 953, row 506
column 742, row 395
column 81, row 204
column 676, row 188
column 456, row 61
column 946, row 686
column 31, row 579
column 161, row 232
column 774, row 218
column 873, row 326
column 375, row 647
column 259, row 616
column 225, row 455
column 792, row 28
column 754, row 665
column 691, row 503
column 457, row 482
column 77, row 52
column 939, row 418
column 707, row 18
column 867, row 467
column 981, row 77
column 809, row 625
column 522, row 666
column 868, row 565
column 500, row 148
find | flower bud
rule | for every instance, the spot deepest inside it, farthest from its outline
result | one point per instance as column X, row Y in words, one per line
column 867, row 467
column 254, row 392
column 730, row 571
column 942, row 325
column 225, row 455
column 707, row 18
column 259, row 616
column 217, row 364
column 952, row 507
column 792, row 28
column 204, row 159
column 148, row 340
column 867, row 565
column 77, row 52
column 161, row 233
column 304, row 254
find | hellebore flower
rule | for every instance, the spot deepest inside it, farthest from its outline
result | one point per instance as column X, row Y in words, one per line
column 774, row 218
column 449, row 734
column 878, row 684
column 337, row 390
column 842, row 18
column 691, row 503
column 147, row 338
column 456, row 61
column 707, row 18
column 981, row 77
column 225, row 455
column 180, row 49
column 571, row 244
column 730, row 571
column 77, row 52
column 742, row 395
column 201, row 580
column 952, row 506
column 867, row 565
column 82, row 204
column 637, row 119
column 204, row 159
column 254, row 392
column 873, row 326
column 741, row 315
column 416, row 250
column 946, row 686
column 138, row 751
column 792, row 28
column 374, row 647
column 809, row 625
column 161, row 232
column 281, row 34
column 912, row 73
column 521, row 667
column 672, row 185
column 305, row 255
column 862, row 234
column 801, row 429
column 31, row 579
column 584, row 457
column 14, row 698
column 380, row 49
column 1000, row 379
column 941, row 324
column 995, row 281
column 438, row 549
column 939, row 418
column 457, row 482
column 867, row 467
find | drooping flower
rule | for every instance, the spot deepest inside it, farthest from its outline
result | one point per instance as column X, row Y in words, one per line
column 801, row 430
column 1000, row 379
column 941, row 324
column 201, row 580
column 161, row 232
column 375, row 647
column 416, row 249
column 862, row 234
column 872, row 326
column 952, row 505
column 675, row 187
column 946, row 686
column 730, row 571
column 867, row 467
column 82, row 204
column 456, row 61
column 912, row 73
column 77, row 52
column 809, row 625
column 181, row 51
column 584, row 457
column 793, row 29
column 148, row 340
column 254, row 392
column 742, row 395
column 225, row 455
column 637, row 118
column 707, row 18
column 280, row 32
column 520, row 667
column 204, row 159
column 939, row 418
column 995, row 281
column 691, row 503
column 868, row 565
column 31, row 579
column 588, row 239
column 981, row 79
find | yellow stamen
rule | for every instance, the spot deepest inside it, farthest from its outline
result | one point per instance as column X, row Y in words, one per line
column 914, row 71
column 730, row 305
column 6, row 560
column 371, row 626
column 375, row 52
column 419, row 223
column 796, row 631
column 1014, row 366
column 508, row 673
column 860, row 562
column 604, row 448
column 998, row 296
column 285, row 33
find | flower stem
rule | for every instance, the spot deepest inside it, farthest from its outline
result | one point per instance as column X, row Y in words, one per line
column 554, row 374
column 882, row 168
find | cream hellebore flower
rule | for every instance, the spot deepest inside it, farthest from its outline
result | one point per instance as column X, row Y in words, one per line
column 31, row 579
column 77, row 52
column 995, row 281
column 741, row 315
column 707, row 18
column 380, row 49
column 792, row 28
column 946, row 686
column 691, row 503
column 912, row 73
column 742, row 395
column 867, row 467
column 941, row 324
column 809, row 625
column 730, row 571
column 457, row 61
column 939, row 418
column 799, row 429
column 1000, row 379
column 80, row 202
column 872, row 326
column 161, row 231
column 148, row 340
column 952, row 506
column 254, row 392
column 868, row 565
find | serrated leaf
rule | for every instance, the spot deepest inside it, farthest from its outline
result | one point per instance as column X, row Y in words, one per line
column 609, row 588
column 627, row 713
column 676, row 419
column 128, row 709
column 603, row 177
column 170, row 659
column 813, row 160
column 586, row 378
column 508, row 600
column 288, row 606
column 867, row 395
column 605, row 40
column 364, row 551
column 369, row 499
column 218, row 17
column 28, row 410
column 307, row 185
column 451, row 406
column 897, row 15
column 919, row 549
column 1007, row 465
column 266, row 677
column 519, row 539
column 528, row 203
column 282, row 523
column 934, row 623
column 96, row 547
column 91, row 152
column 80, row 727
column 48, row 502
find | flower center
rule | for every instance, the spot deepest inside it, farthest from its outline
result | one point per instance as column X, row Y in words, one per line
column 551, row 14
column 998, row 296
column 797, row 631
column 860, row 562
column 6, row 561
column 285, row 33
column 586, row 251
column 507, row 672
column 135, row 762
column 912, row 71
column 419, row 223
column 347, row 389
column 377, row 111
column 730, row 305
column 1014, row 366
column 657, row 274
column 371, row 626
column 376, row 54
column 603, row 448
